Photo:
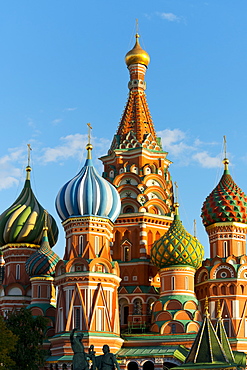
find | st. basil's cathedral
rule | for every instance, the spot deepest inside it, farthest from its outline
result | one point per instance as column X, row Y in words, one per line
column 131, row 276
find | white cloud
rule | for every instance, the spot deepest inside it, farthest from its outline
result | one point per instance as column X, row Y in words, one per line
column 10, row 173
column 177, row 143
column 173, row 141
column 206, row 161
column 171, row 17
column 74, row 146
column 56, row 121
column 71, row 146
column 70, row 109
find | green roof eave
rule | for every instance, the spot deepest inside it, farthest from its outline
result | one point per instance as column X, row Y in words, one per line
column 176, row 351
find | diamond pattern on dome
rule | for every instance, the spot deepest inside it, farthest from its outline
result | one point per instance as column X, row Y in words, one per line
column 226, row 203
column 177, row 247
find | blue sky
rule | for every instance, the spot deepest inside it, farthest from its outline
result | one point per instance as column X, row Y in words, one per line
column 62, row 65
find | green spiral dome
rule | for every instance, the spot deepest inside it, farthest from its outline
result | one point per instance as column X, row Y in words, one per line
column 177, row 247
column 23, row 221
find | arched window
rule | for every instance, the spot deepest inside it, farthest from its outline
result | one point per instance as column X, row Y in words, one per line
column 126, row 253
column 132, row 365
column 186, row 283
column 239, row 249
column 173, row 283
column 128, row 209
column 111, row 174
column 96, row 245
column 39, row 291
column 77, row 317
column 148, row 365
column 18, row 272
column 81, row 244
column 225, row 248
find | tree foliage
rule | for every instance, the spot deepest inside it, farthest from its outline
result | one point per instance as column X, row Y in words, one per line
column 7, row 345
column 30, row 330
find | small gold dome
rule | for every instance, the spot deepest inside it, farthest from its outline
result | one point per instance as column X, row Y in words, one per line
column 137, row 55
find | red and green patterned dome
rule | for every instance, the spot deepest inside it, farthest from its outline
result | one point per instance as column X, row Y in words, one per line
column 226, row 203
column 177, row 247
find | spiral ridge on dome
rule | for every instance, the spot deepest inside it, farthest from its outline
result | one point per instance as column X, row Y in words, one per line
column 23, row 221
column 43, row 261
column 177, row 247
column 88, row 194
column 226, row 203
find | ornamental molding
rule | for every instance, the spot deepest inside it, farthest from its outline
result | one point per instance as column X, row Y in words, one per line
column 221, row 267
column 204, row 271
column 242, row 268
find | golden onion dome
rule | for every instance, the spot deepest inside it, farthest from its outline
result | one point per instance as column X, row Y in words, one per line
column 137, row 55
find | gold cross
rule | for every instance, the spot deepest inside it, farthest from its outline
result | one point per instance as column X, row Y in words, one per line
column 224, row 137
column 89, row 133
column 176, row 192
column 28, row 154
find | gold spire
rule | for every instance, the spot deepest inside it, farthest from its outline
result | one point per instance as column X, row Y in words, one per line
column 206, row 307
column 218, row 309
column 28, row 168
column 89, row 146
column 225, row 160
column 137, row 55
column 45, row 227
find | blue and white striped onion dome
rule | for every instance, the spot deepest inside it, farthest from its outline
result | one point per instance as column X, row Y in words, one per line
column 88, row 194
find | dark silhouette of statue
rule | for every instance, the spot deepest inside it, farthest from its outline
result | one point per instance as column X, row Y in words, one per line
column 107, row 361
column 80, row 357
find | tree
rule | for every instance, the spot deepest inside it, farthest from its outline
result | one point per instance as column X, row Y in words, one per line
column 7, row 345
column 30, row 330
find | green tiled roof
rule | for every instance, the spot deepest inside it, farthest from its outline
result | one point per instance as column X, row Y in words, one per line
column 178, row 352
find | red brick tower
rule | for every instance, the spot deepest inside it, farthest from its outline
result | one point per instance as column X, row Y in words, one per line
column 20, row 236
column 138, row 167
column 224, row 275
column 87, row 279
column 177, row 254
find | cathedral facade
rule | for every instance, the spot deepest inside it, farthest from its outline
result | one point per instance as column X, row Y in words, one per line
column 131, row 276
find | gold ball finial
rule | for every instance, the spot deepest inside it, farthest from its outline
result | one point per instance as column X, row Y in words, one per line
column 137, row 55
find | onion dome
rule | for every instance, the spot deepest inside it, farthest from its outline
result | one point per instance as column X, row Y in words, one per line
column 137, row 55
column 226, row 203
column 23, row 221
column 44, row 260
column 88, row 194
column 177, row 247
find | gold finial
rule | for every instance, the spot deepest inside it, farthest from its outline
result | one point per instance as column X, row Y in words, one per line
column 137, row 55
column 195, row 228
column 89, row 146
column 218, row 309
column 225, row 160
column 28, row 168
column 45, row 220
column 206, row 307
